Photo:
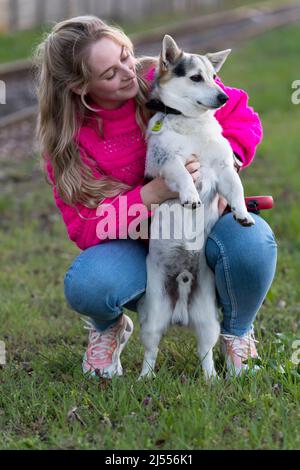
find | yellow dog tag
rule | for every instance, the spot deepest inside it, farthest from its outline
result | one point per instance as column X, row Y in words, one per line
column 157, row 126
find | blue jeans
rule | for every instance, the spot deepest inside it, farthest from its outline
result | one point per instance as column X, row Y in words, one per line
column 107, row 277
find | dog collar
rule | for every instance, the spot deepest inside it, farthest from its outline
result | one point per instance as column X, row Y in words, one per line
column 157, row 105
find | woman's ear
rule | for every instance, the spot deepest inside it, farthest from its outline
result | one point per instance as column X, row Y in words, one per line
column 77, row 90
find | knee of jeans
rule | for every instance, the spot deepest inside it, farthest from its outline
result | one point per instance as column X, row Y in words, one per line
column 97, row 301
column 249, row 251
column 256, row 264
column 263, row 241
column 264, row 229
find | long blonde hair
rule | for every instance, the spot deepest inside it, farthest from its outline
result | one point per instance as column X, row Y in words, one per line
column 61, row 62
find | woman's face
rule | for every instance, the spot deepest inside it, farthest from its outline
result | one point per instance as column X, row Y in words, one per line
column 113, row 74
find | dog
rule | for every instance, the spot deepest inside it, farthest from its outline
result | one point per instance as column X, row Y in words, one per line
column 180, row 285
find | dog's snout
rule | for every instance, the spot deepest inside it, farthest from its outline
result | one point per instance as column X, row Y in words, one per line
column 222, row 98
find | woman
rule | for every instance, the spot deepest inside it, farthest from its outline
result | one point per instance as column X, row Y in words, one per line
column 92, row 118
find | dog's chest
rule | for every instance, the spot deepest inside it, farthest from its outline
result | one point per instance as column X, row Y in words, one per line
column 176, row 135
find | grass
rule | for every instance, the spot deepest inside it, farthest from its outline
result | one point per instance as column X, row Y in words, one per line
column 18, row 45
column 42, row 382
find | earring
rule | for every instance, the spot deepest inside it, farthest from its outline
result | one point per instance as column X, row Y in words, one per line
column 85, row 104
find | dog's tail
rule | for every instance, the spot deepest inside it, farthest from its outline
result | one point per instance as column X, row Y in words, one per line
column 180, row 314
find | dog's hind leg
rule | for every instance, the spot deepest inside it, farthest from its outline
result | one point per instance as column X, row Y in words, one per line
column 203, row 315
column 155, row 316
column 151, row 339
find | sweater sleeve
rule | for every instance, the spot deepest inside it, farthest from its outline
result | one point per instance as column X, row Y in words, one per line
column 240, row 123
column 114, row 218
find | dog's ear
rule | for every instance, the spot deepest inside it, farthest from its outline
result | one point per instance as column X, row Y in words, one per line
column 218, row 58
column 170, row 52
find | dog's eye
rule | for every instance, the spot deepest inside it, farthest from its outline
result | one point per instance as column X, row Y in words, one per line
column 214, row 76
column 197, row 78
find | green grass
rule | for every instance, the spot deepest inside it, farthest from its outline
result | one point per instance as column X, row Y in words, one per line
column 18, row 45
column 44, row 339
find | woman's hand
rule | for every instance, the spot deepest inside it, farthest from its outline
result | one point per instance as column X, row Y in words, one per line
column 192, row 165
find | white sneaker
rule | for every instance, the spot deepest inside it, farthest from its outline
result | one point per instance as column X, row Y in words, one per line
column 102, row 357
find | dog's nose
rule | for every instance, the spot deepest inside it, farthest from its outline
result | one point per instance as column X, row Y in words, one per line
column 222, row 98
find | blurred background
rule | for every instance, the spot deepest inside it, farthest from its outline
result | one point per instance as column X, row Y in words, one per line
column 25, row 14
column 35, row 251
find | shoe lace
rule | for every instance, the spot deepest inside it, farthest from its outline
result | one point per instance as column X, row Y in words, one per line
column 242, row 346
column 101, row 343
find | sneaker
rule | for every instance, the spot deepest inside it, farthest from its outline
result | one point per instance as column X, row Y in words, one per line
column 237, row 350
column 102, row 357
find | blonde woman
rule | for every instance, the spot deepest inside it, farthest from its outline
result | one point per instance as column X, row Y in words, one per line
column 92, row 92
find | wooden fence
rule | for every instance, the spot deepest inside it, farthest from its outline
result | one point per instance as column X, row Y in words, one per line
column 25, row 14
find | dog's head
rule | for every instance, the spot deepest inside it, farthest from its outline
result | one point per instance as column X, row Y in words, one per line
column 186, row 81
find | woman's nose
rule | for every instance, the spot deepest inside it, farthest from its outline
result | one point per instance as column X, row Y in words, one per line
column 129, row 74
column 128, row 71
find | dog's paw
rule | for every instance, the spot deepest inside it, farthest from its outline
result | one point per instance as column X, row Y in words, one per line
column 188, row 205
column 190, row 199
column 211, row 376
column 245, row 221
column 147, row 375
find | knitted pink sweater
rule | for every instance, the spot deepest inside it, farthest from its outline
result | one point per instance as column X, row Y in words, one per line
column 122, row 151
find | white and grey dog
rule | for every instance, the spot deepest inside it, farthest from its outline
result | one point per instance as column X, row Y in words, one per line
column 180, row 285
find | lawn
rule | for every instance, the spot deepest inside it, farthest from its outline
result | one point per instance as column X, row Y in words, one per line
column 46, row 403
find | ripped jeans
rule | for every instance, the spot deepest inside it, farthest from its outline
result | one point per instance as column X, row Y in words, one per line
column 105, row 278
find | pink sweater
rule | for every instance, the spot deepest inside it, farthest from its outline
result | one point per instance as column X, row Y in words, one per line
column 122, row 151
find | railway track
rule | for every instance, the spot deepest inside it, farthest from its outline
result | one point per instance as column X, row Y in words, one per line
column 209, row 32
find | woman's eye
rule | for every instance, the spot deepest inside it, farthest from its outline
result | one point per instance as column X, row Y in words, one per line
column 111, row 77
column 123, row 59
column 197, row 78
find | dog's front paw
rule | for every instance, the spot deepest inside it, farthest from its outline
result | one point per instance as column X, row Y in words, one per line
column 245, row 219
column 190, row 199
